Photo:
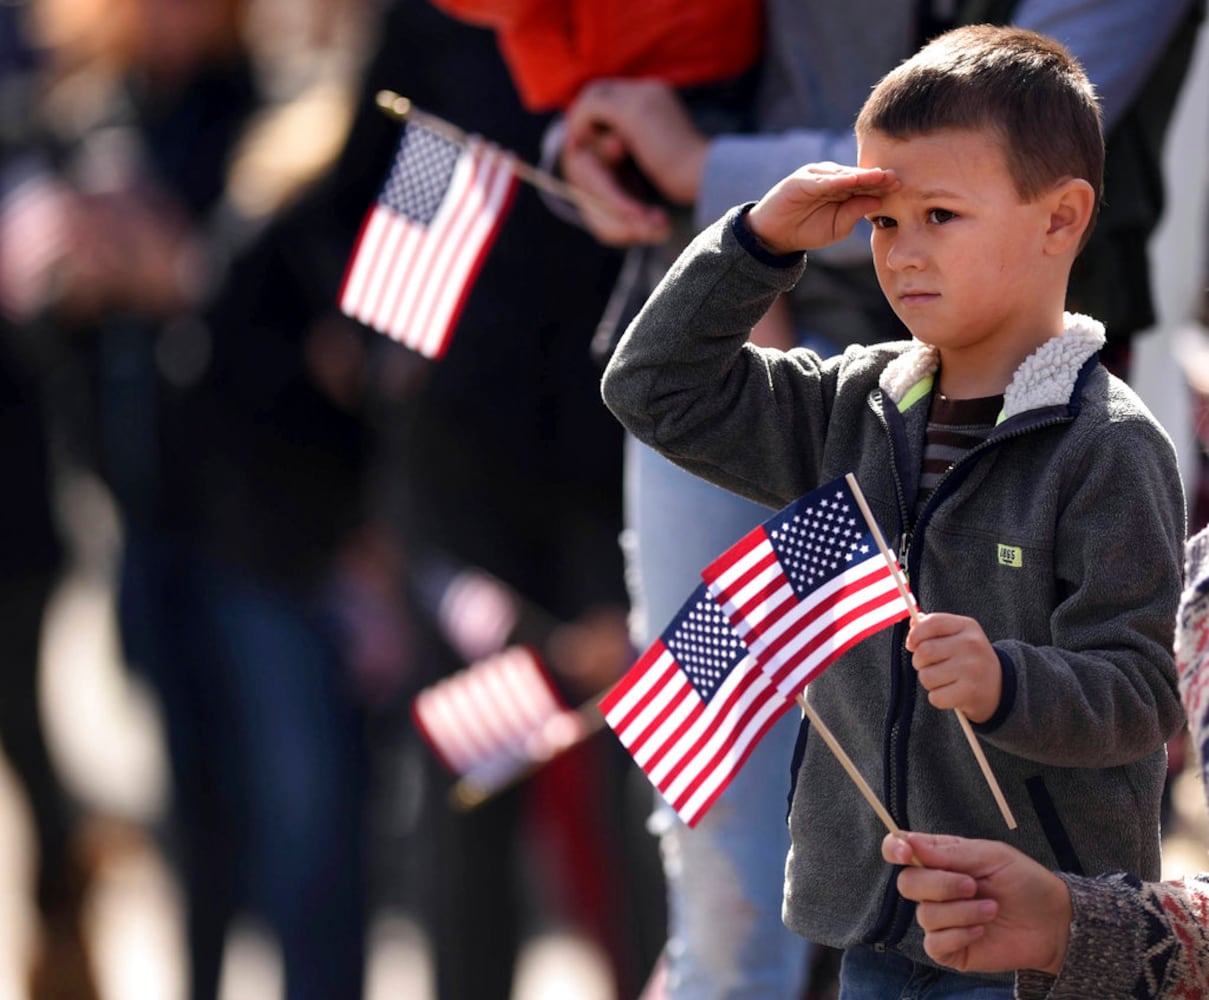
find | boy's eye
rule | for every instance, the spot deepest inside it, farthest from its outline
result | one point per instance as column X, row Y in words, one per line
column 939, row 216
column 882, row 222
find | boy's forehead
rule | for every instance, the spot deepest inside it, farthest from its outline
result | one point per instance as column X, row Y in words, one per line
column 972, row 136
column 929, row 162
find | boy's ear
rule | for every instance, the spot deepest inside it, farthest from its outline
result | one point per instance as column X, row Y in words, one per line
column 1070, row 207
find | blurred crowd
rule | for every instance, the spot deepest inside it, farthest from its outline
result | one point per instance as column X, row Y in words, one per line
column 301, row 501
column 315, row 522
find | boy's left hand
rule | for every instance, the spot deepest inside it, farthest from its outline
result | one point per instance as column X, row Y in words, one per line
column 956, row 664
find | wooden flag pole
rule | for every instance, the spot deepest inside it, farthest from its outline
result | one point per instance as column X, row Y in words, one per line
column 846, row 762
column 971, row 736
column 401, row 109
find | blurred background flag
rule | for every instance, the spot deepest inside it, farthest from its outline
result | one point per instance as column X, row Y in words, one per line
column 693, row 707
column 806, row 585
column 497, row 719
column 34, row 225
column 422, row 242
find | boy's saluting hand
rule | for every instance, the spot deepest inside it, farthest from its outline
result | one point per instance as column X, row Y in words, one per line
column 817, row 205
column 956, row 664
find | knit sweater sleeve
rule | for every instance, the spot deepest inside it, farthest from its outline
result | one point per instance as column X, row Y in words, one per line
column 1130, row 939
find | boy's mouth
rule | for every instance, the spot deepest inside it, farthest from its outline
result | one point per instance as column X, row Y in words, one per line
column 916, row 298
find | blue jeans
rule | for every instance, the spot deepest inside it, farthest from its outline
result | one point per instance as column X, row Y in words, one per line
column 725, row 877
column 867, row 974
column 265, row 746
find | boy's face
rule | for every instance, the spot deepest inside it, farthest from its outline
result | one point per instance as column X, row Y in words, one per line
column 958, row 253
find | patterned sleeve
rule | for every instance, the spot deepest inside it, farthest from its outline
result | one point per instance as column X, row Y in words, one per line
column 1131, row 939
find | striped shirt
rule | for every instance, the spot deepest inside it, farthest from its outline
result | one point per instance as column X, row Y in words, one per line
column 954, row 427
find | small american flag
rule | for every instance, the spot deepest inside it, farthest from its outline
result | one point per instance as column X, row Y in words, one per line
column 693, row 707
column 806, row 586
column 424, row 239
column 498, row 717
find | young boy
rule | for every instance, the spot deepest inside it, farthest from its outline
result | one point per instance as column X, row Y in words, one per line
column 1035, row 503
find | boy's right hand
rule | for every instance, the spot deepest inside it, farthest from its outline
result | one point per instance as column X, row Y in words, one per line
column 956, row 664
column 817, row 205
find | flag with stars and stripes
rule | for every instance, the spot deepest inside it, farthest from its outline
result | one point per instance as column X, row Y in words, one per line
column 424, row 239
column 499, row 716
column 693, row 707
column 806, row 585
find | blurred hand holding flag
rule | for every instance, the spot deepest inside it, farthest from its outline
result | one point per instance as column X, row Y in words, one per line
column 495, row 720
column 693, row 707
column 807, row 585
column 424, row 239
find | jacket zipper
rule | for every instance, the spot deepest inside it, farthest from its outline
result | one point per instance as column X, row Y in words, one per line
column 894, row 919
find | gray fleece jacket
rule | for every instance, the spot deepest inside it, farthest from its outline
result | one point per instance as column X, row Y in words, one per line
column 1061, row 535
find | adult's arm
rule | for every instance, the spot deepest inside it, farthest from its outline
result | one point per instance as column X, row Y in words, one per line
column 1117, row 41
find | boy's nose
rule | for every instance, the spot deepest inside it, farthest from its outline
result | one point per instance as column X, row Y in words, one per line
column 906, row 253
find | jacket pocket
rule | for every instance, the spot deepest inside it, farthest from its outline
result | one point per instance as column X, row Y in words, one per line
column 1051, row 825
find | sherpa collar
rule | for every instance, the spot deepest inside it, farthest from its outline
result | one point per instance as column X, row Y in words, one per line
column 1045, row 378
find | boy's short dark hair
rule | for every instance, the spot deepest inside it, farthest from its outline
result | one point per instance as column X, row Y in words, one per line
column 1026, row 87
